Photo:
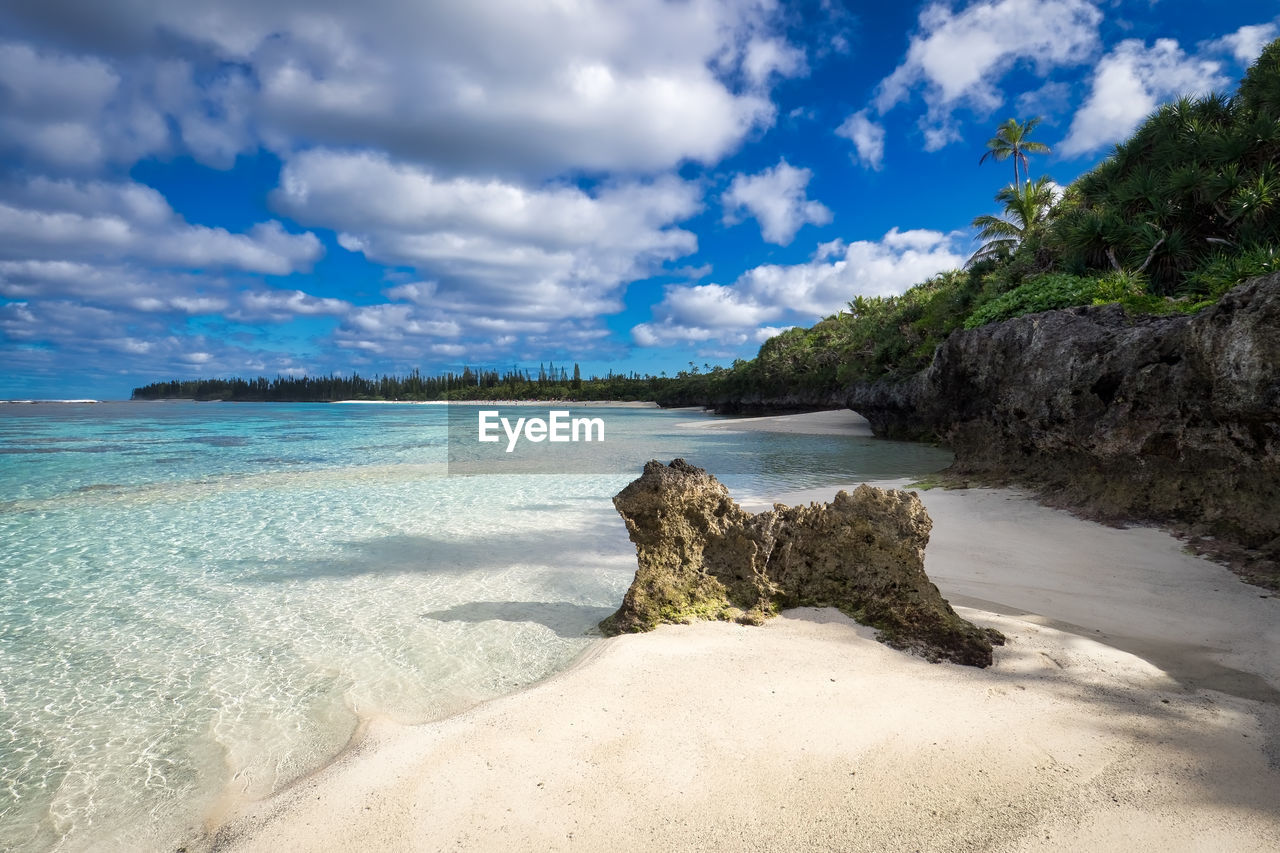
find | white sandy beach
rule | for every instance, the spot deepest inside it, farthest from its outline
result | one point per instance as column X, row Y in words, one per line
column 1135, row 707
column 836, row 422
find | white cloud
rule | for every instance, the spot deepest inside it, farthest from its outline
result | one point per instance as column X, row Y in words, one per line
column 776, row 198
column 55, row 83
column 50, row 101
column 765, row 57
column 495, row 247
column 841, row 271
column 1246, row 43
column 495, row 257
column 212, row 113
column 281, row 305
column 70, row 112
column 716, row 306
column 517, row 88
column 138, row 344
column 524, row 172
column 70, row 220
column 867, row 137
column 837, row 273
column 1127, row 86
column 113, row 286
column 149, row 292
column 957, row 58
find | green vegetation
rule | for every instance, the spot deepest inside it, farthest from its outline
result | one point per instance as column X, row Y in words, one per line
column 1048, row 291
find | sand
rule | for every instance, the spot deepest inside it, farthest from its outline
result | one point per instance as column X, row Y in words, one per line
column 835, row 422
column 1136, row 706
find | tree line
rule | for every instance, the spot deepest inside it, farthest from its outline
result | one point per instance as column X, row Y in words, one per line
column 548, row 383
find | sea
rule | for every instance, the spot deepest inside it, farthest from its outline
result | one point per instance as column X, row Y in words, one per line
column 202, row 602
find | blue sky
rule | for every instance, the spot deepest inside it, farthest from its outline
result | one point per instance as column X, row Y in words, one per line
column 249, row 188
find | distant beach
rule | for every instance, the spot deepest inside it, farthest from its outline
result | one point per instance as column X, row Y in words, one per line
column 1136, row 706
column 835, row 422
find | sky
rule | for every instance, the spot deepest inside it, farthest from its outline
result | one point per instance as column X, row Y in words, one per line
column 308, row 186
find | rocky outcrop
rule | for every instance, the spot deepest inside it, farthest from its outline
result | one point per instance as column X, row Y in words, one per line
column 1173, row 419
column 701, row 556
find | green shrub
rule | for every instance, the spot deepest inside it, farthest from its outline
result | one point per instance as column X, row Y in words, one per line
column 1223, row 270
column 1042, row 293
column 1060, row 290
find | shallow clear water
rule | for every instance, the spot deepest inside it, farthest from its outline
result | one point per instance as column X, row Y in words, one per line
column 199, row 602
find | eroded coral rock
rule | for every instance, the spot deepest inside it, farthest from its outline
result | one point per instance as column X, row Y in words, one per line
column 701, row 556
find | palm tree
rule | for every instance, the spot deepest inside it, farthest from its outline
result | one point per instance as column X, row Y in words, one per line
column 1011, row 141
column 1026, row 211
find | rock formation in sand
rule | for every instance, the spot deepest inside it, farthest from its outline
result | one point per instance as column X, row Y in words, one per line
column 701, row 556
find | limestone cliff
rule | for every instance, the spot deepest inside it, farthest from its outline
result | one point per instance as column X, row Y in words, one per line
column 701, row 556
column 1173, row 419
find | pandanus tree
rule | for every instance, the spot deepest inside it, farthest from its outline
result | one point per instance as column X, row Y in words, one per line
column 1027, row 209
column 1012, row 142
column 1199, row 180
column 1260, row 88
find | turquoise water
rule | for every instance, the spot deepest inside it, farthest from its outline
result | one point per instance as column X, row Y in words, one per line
column 200, row 602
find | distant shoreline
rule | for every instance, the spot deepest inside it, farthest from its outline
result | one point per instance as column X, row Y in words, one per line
column 16, row 402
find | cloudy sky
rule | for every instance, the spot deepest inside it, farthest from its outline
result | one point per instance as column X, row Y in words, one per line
column 249, row 187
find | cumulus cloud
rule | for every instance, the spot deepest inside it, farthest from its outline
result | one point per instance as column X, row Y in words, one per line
column 715, row 306
column 495, row 257
column 116, row 286
column 43, row 219
column 1246, row 43
column 765, row 57
column 776, row 198
column 957, row 58
column 867, row 137
column 131, row 288
column 528, row 87
column 524, row 174
column 1127, row 86
column 837, row 273
column 282, row 305
column 51, row 103
column 37, row 337
column 490, row 246
column 72, row 112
